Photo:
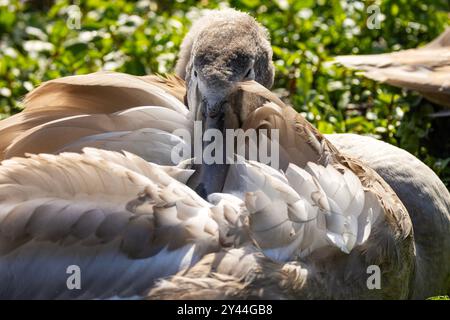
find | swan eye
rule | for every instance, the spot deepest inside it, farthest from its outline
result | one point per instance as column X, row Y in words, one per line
column 195, row 73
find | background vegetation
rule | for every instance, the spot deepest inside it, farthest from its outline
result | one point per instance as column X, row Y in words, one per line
column 39, row 40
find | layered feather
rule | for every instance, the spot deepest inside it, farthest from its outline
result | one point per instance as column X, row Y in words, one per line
column 98, row 93
column 83, row 130
column 124, row 221
column 293, row 214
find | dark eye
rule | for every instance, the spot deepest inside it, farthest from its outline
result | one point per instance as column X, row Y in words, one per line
column 195, row 73
column 249, row 72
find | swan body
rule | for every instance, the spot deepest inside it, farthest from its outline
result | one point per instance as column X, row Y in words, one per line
column 88, row 208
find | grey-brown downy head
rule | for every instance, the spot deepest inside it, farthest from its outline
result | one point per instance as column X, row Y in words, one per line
column 223, row 48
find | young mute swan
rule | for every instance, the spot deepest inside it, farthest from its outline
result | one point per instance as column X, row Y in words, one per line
column 136, row 229
column 135, row 226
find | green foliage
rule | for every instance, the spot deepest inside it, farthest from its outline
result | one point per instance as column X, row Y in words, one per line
column 142, row 37
column 439, row 298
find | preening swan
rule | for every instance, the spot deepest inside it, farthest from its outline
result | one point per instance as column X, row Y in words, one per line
column 128, row 223
column 140, row 225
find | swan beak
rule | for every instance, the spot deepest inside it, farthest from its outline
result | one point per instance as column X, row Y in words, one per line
column 210, row 175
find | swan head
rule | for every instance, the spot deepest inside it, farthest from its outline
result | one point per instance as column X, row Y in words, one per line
column 222, row 49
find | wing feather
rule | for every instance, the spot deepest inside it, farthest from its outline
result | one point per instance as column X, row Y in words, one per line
column 94, row 211
column 96, row 93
